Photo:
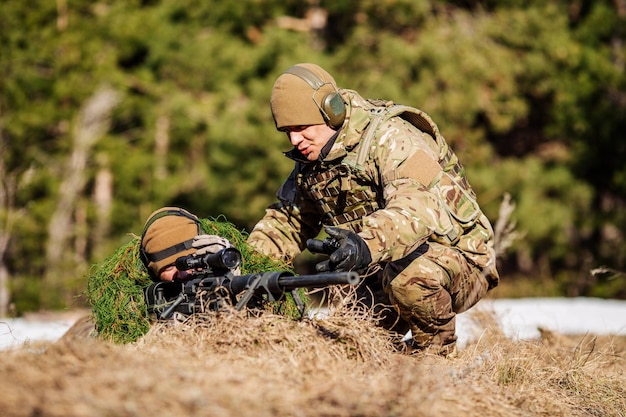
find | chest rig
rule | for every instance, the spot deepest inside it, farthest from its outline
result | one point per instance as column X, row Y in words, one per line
column 346, row 191
column 343, row 194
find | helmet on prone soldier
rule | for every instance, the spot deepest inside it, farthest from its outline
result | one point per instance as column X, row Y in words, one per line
column 167, row 235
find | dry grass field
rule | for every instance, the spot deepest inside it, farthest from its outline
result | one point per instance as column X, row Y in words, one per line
column 267, row 365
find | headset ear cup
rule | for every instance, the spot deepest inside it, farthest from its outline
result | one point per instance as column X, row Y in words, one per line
column 332, row 105
column 144, row 259
column 334, row 108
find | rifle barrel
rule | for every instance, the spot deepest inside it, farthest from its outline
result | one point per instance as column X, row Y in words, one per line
column 278, row 282
column 318, row 280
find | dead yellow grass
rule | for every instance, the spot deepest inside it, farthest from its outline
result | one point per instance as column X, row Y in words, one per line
column 267, row 365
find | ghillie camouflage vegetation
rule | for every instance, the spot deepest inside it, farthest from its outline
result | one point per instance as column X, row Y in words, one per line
column 115, row 286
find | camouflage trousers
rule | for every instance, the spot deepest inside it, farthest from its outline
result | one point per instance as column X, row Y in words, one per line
column 423, row 292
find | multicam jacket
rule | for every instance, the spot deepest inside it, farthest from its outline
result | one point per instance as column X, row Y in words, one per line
column 394, row 184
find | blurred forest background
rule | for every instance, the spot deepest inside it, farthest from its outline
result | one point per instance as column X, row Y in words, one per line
column 110, row 109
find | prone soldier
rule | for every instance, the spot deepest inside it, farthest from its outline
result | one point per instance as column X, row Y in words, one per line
column 195, row 272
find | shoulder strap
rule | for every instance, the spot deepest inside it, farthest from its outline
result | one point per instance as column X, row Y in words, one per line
column 416, row 117
column 378, row 115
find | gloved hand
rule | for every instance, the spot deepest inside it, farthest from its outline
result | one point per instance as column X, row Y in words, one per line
column 209, row 244
column 206, row 244
column 352, row 254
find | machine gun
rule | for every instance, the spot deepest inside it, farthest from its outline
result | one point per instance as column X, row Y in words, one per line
column 213, row 286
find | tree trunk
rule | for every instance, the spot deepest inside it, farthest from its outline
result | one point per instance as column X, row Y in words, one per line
column 161, row 147
column 103, row 201
column 92, row 125
column 8, row 217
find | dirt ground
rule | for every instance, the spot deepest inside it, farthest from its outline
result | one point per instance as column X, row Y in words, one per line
column 233, row 365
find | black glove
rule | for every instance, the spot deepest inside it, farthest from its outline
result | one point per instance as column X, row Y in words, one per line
column 352, row 254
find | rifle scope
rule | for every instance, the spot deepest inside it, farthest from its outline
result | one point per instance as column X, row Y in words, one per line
column 227, row 258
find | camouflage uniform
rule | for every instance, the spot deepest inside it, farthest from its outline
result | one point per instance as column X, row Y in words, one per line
column 403, row 190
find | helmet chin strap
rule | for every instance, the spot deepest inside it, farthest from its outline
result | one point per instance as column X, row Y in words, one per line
column 172, row 250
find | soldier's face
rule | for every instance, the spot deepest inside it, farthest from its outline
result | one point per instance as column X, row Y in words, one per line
column 309, row 140
column 171, row 273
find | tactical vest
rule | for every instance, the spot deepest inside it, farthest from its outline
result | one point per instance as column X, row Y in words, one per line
column 344, row 193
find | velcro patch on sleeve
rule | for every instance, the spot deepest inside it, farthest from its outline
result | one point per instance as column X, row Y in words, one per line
column 421, row 167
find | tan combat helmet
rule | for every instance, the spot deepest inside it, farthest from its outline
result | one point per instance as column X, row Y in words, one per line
column 304, row 95
column 167, row 235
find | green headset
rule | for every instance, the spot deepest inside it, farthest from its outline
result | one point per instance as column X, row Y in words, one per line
column 332, row 106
